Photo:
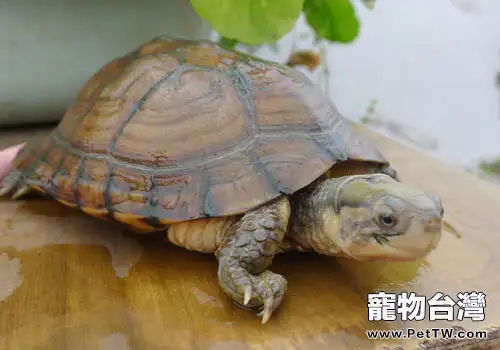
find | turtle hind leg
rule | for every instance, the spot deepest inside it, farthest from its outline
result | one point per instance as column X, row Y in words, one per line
column 21, row 191
column 14, row 185
column 247, row 251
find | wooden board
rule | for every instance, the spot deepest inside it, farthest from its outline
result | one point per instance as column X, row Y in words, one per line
column 68, row 281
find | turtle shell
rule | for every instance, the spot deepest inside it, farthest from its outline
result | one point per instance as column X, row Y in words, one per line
column 179, row 130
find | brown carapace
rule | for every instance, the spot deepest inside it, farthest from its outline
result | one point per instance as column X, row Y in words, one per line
column 178, row 130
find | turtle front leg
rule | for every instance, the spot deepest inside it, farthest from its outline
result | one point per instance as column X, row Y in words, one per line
column 247, row 251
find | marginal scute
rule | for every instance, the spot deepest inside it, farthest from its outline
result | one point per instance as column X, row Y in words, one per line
column 179, row 130
column 135, row 221
column 66, row 177
column 99, row 213
column 129, row 190
column 180, row 193
column 66, row 203
column 92, row 184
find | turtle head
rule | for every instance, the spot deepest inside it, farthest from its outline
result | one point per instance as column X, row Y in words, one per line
column 380, row 218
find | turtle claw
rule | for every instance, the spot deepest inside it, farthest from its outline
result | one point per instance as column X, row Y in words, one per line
column 11, row 182
column 263, row 292
column 14, row 183
column 267, row 311
column 6, row 189
column 248, row 295
column 21, row 192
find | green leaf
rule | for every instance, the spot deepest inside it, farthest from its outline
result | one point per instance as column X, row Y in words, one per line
column 333, row 20
column 252, row 22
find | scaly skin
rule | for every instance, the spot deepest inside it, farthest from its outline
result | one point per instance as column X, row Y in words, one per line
column 246, row 253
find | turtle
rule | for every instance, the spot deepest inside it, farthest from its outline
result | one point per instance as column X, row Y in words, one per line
column 228, row 154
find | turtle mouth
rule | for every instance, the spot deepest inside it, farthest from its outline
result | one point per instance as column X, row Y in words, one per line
column 384, row 237
column 394, row 246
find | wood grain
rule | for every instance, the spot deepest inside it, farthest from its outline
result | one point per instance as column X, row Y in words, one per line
column 70, row 281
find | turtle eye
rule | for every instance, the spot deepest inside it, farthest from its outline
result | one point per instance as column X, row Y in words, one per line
column 387, row 220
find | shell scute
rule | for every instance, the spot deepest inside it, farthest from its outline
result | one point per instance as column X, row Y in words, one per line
column 236, row 176
column 198, row 103
column 100, row 127
column 138, row 78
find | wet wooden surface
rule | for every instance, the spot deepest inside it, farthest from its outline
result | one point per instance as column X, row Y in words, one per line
column 68, row 281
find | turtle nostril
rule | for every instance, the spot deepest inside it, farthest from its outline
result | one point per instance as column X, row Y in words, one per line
column 433, row 225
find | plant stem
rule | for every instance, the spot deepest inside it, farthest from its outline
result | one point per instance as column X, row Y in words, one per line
column 228, row 43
